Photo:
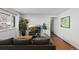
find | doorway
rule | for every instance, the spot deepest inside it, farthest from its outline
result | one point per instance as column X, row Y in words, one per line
column 52, row 26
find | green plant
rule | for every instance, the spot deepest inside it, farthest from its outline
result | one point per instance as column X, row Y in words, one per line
column 23, row 25
column 44, row 26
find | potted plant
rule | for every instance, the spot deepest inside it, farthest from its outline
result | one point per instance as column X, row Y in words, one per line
column 44, row 27
column 23, row 26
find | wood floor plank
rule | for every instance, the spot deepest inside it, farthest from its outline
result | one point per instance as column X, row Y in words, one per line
column 60, row 44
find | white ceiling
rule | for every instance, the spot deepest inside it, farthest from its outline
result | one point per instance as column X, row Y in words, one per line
column 53, row 11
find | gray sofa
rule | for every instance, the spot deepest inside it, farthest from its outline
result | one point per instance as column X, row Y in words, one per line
column 38, row 43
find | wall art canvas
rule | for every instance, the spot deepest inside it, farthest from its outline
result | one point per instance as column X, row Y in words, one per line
column 65, row 22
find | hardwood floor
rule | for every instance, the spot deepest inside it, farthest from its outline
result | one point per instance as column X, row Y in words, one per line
column 60, row 44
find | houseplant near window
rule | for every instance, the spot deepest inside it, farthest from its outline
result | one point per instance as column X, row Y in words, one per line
column 23, row 26
column 44, row 28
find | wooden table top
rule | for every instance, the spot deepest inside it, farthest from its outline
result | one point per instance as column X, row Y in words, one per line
column 24, row 37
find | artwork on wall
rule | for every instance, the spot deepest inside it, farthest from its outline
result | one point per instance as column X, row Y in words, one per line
column 5, row 19
column 65, row 22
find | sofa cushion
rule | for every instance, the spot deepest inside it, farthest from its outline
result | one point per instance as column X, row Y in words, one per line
column 6, row 42
column 40, row 41
column 45, row 35
column 22, row 41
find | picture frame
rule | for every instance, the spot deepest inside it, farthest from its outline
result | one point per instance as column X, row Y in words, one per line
column 65, row 22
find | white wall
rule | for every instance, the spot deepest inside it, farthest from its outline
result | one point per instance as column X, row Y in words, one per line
column 70, row 35
column 39, row 20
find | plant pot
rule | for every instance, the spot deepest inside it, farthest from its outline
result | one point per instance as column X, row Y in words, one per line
column 23, row 33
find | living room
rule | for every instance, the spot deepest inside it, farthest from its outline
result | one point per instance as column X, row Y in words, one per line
column 38, row 21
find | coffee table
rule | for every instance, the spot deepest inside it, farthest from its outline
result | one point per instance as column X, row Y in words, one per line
column 23, row 39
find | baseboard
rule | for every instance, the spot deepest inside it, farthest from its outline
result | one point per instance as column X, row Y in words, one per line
column 67, row 42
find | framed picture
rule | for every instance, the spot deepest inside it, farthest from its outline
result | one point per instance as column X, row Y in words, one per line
column 65, row 22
